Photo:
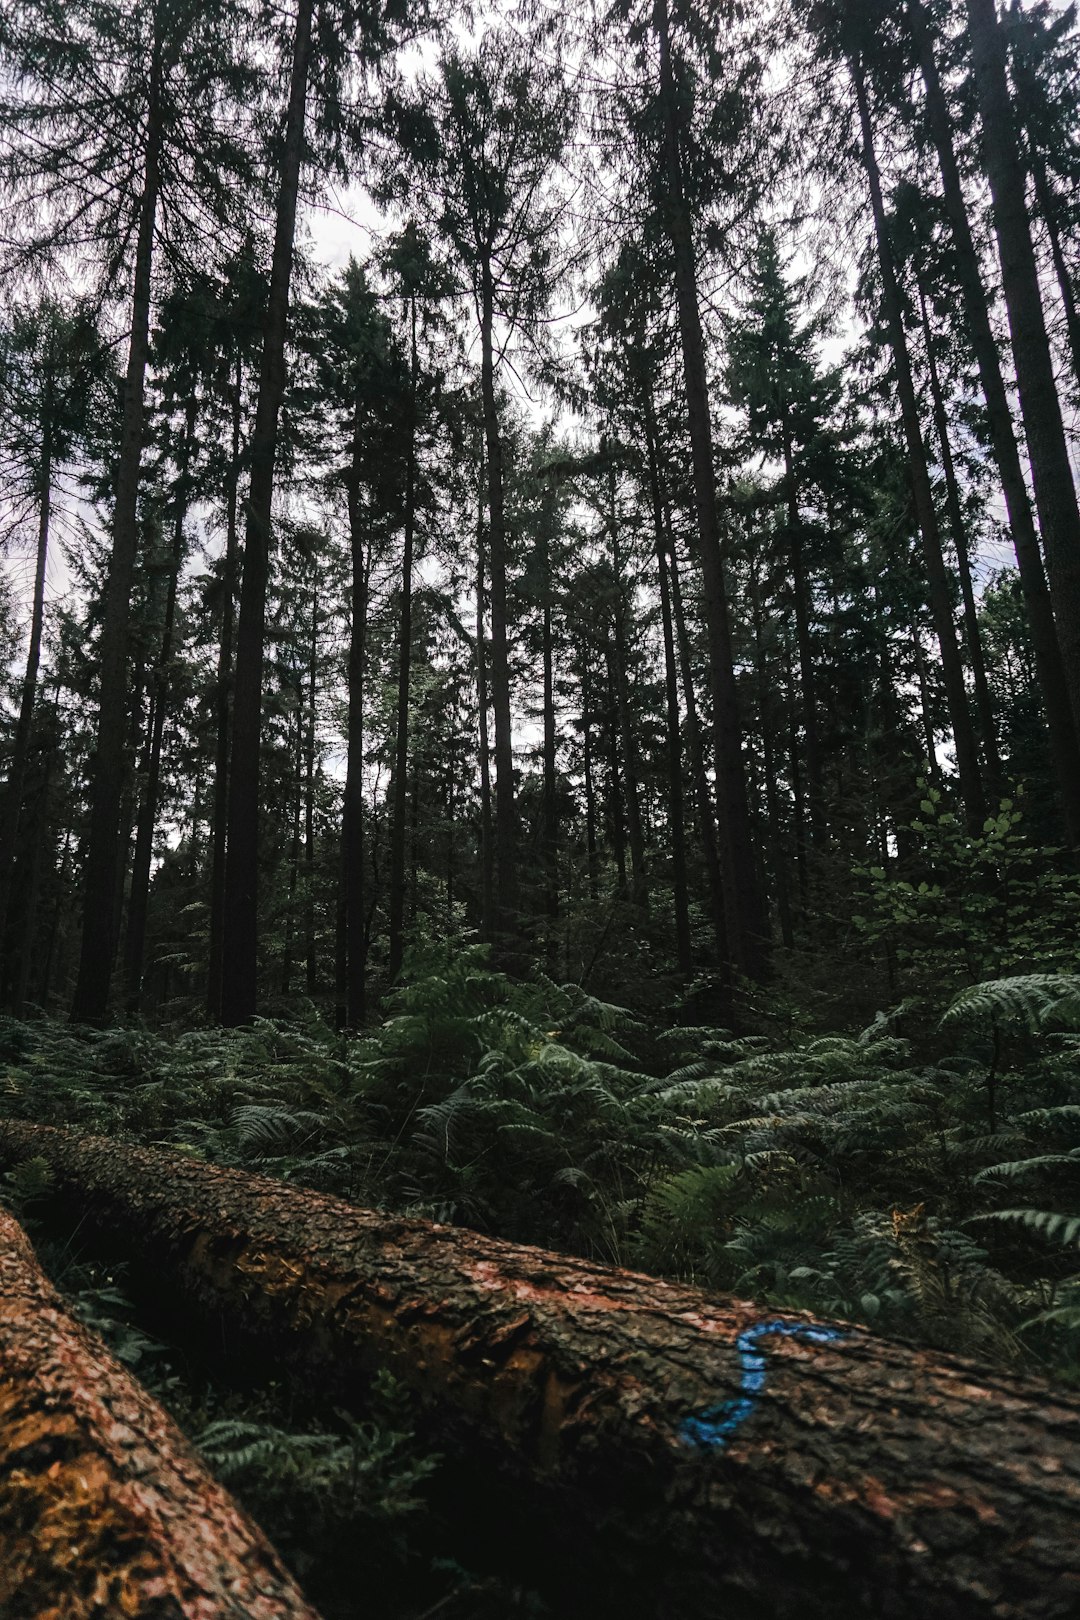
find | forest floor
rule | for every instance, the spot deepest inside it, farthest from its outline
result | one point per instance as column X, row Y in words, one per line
column 916, row 1176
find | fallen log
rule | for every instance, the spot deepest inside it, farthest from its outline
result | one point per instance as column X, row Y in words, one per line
column 680, row 1455
column 105, row 1510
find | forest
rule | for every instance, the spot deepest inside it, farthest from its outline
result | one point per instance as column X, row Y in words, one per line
column 539, row 809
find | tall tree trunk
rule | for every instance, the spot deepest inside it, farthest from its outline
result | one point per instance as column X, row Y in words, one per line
column 35, row 863
column 487, row 830
column 1040, row 408
column 1040, row 614
column 550, row 803
column 223, row 710
column 984, row 706
column 615, row 794
column 665, row 1453
column 591, row 853
column 768, row 764
column 110, row 765
column 1027, row 89
column 925, row 705
column 287, row 951
column 11, row 804
column 675, row 811
column 401, row 747
column 352, row 828
column 239, row 987
column 967, row 754
column 746, row 929
column 506, row 891
column 696, row 743
column 311, row 973
column 135, row 940
column 801, row 598
column 639, row 883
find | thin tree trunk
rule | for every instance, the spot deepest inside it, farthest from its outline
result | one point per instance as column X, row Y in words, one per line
column 984, row 706
column 549, row 803
column 240, row 962
column 401, row 749
column 639, row 884
column 487, row 831
column 110, row 766
column 967, row 754
column 352, row 829
column 28, row 931
column 675, row 810
column 138, row 901
column 696, row 742
column 1055, row 492
column 105, row 1508
column 1040, row 614
column 768, row 762
column 801, row 598
column 310, row 959
column 294, row 855
column 506, row 889
column 746, row 929
column 662, row 1452
column 11, row 805
column 223, row 711
column 618, row 822
column 591, row 853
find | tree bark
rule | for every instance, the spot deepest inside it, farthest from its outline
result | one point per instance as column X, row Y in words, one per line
column 1040, row 614
column 223, row 712
column 678, row 1455
column 104, row 1506
column 675, row 810
column 103, row 850
column 487, row 830
column 311, row 974
column 1040, row 408
column 135, row 938
column 639, row 876
column 591, row 852
column 401, row 745
column 746, row 927
column 15, row 787
column 239, row 989
column 802, row 600
column 506, row 888
column 352, row 824
column 952, row 670
column 696, row 741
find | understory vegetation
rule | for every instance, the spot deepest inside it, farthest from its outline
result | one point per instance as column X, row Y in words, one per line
column 912, row 1168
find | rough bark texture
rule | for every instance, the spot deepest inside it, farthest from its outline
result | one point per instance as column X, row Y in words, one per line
column 685, row 1456
column 104, row 1507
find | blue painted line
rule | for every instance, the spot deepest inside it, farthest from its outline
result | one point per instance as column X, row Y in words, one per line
column 715, row 1426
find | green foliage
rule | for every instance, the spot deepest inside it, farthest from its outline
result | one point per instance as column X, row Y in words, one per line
column 356, row 1479
column 973, row 906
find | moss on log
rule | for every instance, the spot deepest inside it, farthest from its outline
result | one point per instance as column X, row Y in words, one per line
column 105, row 1510
column 681, row 1455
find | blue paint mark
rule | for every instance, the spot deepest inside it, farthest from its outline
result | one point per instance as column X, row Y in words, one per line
column 715, row 1426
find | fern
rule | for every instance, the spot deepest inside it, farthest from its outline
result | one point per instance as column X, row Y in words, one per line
column 1059, row 1228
